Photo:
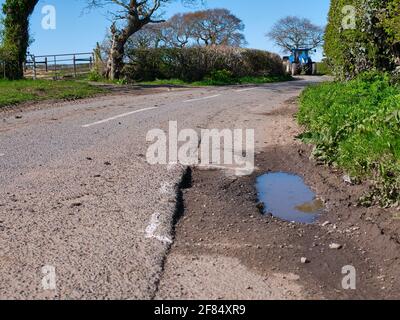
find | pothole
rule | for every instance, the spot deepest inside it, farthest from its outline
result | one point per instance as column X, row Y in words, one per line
column 287, row 197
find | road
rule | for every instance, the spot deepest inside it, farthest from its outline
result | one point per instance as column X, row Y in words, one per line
column 78, row 196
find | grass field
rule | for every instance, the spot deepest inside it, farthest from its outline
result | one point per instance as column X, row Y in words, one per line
column 355, row 126
column 14, row 92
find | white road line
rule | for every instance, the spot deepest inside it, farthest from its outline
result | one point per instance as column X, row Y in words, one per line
column 247, row 89
column 2, row 154
column 204, row 98
column 117, row 117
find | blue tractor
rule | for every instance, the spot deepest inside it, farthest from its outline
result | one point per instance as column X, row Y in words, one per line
column 300, row 61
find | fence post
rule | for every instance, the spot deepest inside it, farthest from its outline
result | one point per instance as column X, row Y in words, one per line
column 74, row 60
column 91, row 63
column 34, row 67
column 55, row 68
column 46, row 64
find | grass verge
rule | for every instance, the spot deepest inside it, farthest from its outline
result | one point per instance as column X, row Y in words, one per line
column 355, row 126
column 14, row 92
column 222, row 81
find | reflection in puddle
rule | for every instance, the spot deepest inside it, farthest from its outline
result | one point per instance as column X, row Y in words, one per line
column 287, row 197
column 311, row 207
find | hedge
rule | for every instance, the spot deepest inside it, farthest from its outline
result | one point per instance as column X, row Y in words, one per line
column 194, row 64
column 372, row 45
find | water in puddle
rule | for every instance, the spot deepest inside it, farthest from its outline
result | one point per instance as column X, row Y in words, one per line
column 287, row 197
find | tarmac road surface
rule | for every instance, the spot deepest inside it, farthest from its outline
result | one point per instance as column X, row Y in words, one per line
column 82, row 212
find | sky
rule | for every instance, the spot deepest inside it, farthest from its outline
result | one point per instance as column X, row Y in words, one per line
column 78, row 31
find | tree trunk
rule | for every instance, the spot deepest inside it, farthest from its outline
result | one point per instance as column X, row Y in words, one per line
column 119, row 38
column 115, row 61
column 116, row 57
column 16, row 34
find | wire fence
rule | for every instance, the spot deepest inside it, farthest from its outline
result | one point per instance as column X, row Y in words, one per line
column 59, row 66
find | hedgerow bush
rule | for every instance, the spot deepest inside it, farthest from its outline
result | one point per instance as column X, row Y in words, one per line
column 198, row 63
column 355, row 125
column 373, row 44
column 222, row 77
column 323, row 68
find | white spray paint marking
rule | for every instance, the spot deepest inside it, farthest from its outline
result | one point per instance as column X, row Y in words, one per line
column 204, row 98
column 117, row 117
column 2, row 154
column 152, row 228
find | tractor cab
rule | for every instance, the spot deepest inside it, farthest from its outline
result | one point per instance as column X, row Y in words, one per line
column 300, row 56
column 300, row 61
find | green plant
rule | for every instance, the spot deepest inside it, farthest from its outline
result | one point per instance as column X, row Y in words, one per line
column 121, row 81
column 323, row 68
column 94, row 76
column 368, row 45
column 355, row 125
column 222, row 77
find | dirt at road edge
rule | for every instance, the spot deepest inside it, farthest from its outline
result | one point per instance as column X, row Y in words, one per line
column 225, row 249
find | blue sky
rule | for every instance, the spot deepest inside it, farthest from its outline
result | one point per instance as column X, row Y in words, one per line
column 79, row 32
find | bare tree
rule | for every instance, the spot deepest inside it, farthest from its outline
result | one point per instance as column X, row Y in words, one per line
column 217, row 27
column 129, row 16
column 210, row 27
column 178, row 31
column 150, row 36
column 293, row 33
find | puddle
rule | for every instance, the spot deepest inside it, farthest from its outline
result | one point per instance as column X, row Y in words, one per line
column 287, row 197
